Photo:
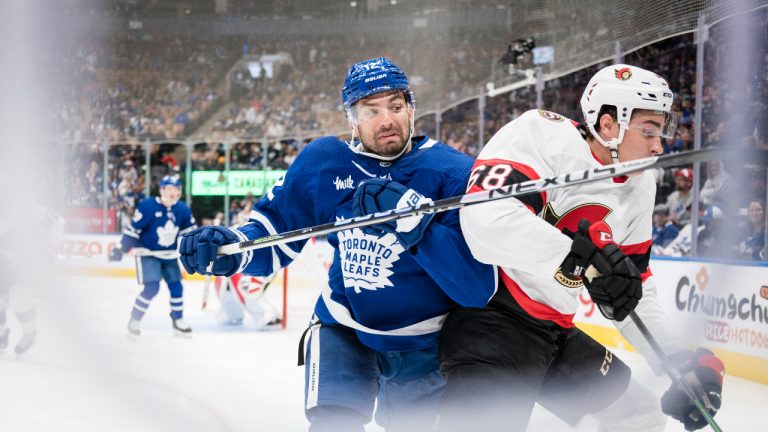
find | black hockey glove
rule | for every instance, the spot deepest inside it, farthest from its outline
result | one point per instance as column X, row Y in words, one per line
column 612, row 279
column 703, row 371
column 115, row 254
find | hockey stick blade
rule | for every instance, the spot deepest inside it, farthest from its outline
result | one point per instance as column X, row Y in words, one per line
column 513, row 190
column 673, row 373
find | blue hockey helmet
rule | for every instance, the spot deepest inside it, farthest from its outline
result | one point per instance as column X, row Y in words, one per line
column 170, row 180
column 374, row 76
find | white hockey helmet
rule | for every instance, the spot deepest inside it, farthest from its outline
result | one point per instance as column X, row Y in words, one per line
column 628, row 88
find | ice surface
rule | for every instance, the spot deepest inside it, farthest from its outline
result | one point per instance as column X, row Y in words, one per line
column 84, row 374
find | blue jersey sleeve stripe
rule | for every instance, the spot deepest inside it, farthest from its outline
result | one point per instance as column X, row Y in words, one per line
column 267, row 224
column 131, row 232
column 247, row 256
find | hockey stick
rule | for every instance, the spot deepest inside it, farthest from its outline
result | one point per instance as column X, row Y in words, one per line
column 673, row 373
column 206, row 290
column 513, row 190
column 162, row 254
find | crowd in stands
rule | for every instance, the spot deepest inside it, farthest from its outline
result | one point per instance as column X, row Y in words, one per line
column 133, row 89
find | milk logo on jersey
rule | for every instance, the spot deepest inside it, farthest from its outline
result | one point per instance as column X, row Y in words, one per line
column 367, row 259
column 346, row 183
column 166, row 234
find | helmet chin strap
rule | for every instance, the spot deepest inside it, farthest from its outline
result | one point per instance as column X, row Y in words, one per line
column 359, row 148
column 613, row 144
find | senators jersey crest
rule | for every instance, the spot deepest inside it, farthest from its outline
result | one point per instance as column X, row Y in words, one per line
column 568, row 225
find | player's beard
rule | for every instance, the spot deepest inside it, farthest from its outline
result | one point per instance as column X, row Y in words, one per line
column 389, row 147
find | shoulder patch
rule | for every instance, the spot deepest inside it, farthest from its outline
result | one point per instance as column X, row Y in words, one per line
column 549, row 115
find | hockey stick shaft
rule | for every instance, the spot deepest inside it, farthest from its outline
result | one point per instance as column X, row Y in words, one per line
column 206, row 290
column 673, row 373
column 162, row 254
column 513, row 190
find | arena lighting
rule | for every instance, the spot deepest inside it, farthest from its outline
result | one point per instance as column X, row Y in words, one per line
column 353, row 4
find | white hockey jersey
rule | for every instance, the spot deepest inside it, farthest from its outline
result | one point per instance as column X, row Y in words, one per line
column 525, row 236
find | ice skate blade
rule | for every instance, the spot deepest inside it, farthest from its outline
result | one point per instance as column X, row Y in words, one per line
column 23, row 347
column 182, row 335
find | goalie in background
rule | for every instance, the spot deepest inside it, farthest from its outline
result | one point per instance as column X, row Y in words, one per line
column 243, row 301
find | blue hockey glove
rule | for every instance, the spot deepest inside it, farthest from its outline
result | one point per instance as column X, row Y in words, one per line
column 704, row 372
column 198, row 249
column 115, row 254
column 378, row 195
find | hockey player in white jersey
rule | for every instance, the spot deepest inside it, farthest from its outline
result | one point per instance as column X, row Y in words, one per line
column 523, row 347
column 242, row 300
column 29, row 236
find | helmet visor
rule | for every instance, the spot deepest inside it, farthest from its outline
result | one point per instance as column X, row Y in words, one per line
column 368, row 114
column 651, row 130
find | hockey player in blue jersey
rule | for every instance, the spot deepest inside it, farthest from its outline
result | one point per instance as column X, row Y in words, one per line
column 373, row 337
column 155, row 227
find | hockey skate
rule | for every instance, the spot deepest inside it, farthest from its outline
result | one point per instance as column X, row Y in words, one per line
column 26, row 342
column 133, row 329
column 180, row 328
column 4, row 338
column 275, row 324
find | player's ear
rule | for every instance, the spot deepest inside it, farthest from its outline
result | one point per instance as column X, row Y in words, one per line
column 607, row 126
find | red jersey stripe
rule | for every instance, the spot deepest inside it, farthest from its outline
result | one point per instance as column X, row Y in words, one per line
column 534, row 308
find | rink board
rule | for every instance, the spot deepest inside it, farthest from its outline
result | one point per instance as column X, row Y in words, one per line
column 722, row 306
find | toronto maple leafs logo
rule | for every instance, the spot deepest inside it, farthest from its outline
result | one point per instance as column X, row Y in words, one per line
column 367, row 259
column 166, row 234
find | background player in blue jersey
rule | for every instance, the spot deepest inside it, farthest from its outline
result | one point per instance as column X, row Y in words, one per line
column 154, row 229
column 376, row 324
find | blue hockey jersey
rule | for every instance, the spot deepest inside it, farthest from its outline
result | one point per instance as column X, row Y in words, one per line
column 157, row 227
column 395, row 299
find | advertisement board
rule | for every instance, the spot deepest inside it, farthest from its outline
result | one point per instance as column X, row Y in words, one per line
column 720, row 306
column 89, row 220
column 238, row 183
